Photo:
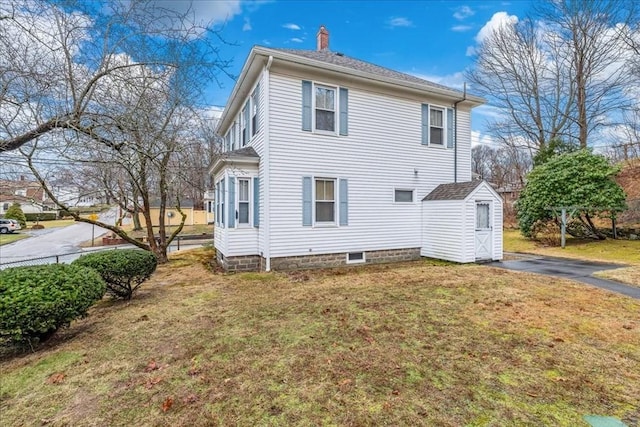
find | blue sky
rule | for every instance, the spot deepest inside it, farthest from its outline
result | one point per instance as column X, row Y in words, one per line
column 430, row 39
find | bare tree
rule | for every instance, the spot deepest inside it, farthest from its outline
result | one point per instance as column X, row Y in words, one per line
column 54, row 62
column 113, row 93
column 560, row 74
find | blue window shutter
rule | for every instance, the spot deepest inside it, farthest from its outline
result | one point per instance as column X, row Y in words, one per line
column 306, row 201
column 306, row 105
column 232, row 202
column 449, row 128
column 344, row 111
column 425, row 124
column 344, row 202
column 256, row 201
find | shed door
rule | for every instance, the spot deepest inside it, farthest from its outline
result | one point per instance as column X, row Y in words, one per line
column 483, row 230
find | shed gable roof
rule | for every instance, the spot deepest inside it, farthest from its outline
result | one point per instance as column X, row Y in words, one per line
column 453, row 191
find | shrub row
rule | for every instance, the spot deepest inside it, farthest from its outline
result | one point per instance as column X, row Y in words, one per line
column 35, row 301
column 44, row 216
column 123, row 270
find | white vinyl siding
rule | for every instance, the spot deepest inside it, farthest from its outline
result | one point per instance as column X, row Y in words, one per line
column 387, row 129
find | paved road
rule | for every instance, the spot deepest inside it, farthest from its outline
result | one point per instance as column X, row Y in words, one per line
column 580, row 271
column 54, row 241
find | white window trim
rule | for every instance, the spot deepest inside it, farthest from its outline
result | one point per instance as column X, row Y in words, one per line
column 336, row 198
column 413, row 196
column 248, row 224
column 444, row 126
column 336, row 113
column 357, row 261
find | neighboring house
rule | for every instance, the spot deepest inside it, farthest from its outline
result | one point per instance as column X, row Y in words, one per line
column 172, row 216
column 28, row 194
column 327, row 160
column 209, row 205
column 28, row 205
column 75, row 197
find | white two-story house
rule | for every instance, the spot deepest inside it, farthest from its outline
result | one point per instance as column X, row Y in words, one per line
column 329, row 160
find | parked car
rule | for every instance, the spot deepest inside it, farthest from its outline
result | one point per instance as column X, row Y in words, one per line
column 8, row 226
column 15, row 221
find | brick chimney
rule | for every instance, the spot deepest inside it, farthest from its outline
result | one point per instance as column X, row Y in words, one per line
column 323, row 38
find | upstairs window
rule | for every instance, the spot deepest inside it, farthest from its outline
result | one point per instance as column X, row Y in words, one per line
column 325, row 108
column 254, row 110
column 436, row 126
column 244, row 123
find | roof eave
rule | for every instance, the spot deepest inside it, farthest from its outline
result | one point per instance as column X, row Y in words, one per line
column 473, row 100
column 236, row 160
column 251, row 69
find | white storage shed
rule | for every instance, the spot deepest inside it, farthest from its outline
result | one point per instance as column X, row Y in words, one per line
column 462, row 222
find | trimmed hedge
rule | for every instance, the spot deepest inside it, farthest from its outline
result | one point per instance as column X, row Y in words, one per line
column 123, row 270
column 44, row 216
column 36, row 301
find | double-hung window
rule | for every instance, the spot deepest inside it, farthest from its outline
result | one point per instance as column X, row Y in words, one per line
column 244, row 125
column 243, row 201
column 325, row 108
column 254, row 111
column 325, row 200
column 436, row 126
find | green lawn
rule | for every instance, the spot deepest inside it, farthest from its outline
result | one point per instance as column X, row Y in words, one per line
column 12, row 237
column 609, row 250
column 52, row 224
column 403, row 344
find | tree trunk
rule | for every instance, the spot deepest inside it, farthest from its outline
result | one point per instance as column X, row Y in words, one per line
column 136, row 220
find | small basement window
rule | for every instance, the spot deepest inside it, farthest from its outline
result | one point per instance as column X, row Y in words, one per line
column 355, row 257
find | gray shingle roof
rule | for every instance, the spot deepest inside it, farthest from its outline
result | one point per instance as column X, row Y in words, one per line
column 339, row 59
column 240, row 152
column 453, row 191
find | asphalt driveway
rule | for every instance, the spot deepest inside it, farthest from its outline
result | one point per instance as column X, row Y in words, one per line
column 578, row 270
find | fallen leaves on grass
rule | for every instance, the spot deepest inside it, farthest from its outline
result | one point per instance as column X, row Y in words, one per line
column 167, row 404
column 56, row 378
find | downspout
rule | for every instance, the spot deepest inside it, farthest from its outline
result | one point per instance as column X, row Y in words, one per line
column 267, row 166
column 455, row 133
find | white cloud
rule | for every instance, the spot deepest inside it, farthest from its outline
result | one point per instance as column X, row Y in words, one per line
column 297, row 40
column 471, row 50
column 454, row 81
column 215, row 12
column 479, row 138
column 290, row 26
column 399, row 21
column 247, row 25
column 489, row 111
column 266, row 42
column 499, row 19
column 463, row 12
column 461, row 28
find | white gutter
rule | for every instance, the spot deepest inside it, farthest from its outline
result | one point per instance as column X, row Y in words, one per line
column 267, row 166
